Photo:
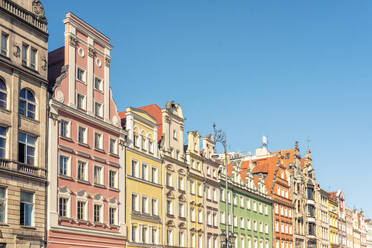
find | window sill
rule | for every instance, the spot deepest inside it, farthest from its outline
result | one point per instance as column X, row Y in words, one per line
column 6, row 111
column 4, row 224
column 114, row 189
column 99, row 150
column 29, row 227
column 114, row 155
column 83, row 144
column 83, row 181
column 98, row 90
column 80, row 81
column 99, row 224
column 5, row 57
column 66, row 177
column 66, row 138
column 29, row 68
column 100, row 186
column 29, row 119
column 85, row 222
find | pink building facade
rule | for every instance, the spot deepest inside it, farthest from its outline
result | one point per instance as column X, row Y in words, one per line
column 86, row 193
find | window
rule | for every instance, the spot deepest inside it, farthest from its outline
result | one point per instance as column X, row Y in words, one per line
column 154, row 174
column 254, row 206
column 215, row 195
column 222, row 217
column 169, row 207
column 266, row 228
column 135, row 169
column 3, row 95
column 154, row 207
column 145, row 172
column 249, row 224
column 134, row 233
column 26, row 148
column 200, row 216
column 175, row 134
column 112, row 179
column 98, row 84
column 222, row 195
column 113, row 146
column 242, row 202
column 64, row 165
column 27, row 103
column 97, row 213
column 33, row 58
column 98, row 175
column 98, row 141
column 154, row 236
column 3, row 132
column 168, row 179
column 144, row 234
column 82, row 135
column 235, row 200
column 255, row 226
column 181, row 239
column 151, row 146
column 27, row 208
column 82, row 174
column 24, row 54
column 81, row 210
column 266, row 210
column 135, row 203
column 80, row 75
column 80, row 101
column 276, row 226
column 261, row 227
column 145, row 204
column 242, row 222
column 248, row 204
column 64, row 129
column 4, row 44
column 192, row 187
column 181, row 210
column 260, row 207
column 214, row 219
column 235, row 221
column 208, row 171
column 192, row 214
column 112, row 216
column 98, row 109
column 2, row 205
column 200, row 190
column 169, row 237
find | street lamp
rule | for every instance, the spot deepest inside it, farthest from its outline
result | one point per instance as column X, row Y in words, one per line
column 220, row 137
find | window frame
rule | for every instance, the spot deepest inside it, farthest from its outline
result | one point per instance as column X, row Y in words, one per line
column 101, row 176
column 32, row 216
column 85, row 134
column 27, row 103
column 85, row 172
column 68, row 165
column 26, row 145
column 84, row 76
column 5, row 52
column 4, row 201
column 100, row 89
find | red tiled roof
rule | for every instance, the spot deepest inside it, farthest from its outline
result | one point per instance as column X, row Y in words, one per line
column 155, row 111
column 123, row 114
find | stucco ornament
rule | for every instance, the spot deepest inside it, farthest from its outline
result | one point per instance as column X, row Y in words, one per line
column 16, row 50
column 60, row 96
column 45, row 63
column 38, row 9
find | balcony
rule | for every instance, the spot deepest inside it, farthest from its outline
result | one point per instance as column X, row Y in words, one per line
column 26, row 170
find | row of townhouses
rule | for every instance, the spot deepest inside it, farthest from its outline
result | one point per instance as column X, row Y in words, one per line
column 77, row 172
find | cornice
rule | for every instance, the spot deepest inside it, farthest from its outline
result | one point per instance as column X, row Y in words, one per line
column 144, row 154
column 86, row 117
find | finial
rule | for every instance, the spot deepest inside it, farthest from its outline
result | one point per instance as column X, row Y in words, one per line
column 296, row 146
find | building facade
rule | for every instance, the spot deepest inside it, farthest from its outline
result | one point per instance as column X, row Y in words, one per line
column 23, row 123
column 349, row 227
column 277, row 182
column 211, row 193
column 333, row 220
column 369, row 232
column 144, row 185
column 322, row 225
column 342, row 218
column 196, row 193
column 303, row 190
column 248, row 218
column 86, row 191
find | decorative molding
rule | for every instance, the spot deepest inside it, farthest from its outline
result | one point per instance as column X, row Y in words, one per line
column 16, row 50
column 107, row 61
column 91, row 52
column 73, row 41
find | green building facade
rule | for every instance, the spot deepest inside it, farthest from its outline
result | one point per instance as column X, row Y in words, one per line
column 250, row 208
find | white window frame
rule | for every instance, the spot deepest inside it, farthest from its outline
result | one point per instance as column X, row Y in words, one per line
column 84, row 101
column 85, row 135
column 68, row 165
column 84, row 76
column 100, row 140
column 68, row 128
column 98, row 113
column 100, row 89
column 114, row 146
column 136, row 172
column 115, row 186
column 101, row 176
column 4, row 201
column 86, row 168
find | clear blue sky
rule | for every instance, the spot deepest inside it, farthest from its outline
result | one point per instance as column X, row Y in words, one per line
column 285, row 69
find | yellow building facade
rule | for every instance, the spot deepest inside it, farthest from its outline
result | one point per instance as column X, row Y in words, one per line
column 196, row 192
column 143, row 180
column 333, row 221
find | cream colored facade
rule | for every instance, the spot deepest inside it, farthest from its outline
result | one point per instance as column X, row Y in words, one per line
column 143, row 181
column 23, row 113
column 196, row 193
column 175, row 203
column 333, row 222
column 322, row 218
column 211, row 194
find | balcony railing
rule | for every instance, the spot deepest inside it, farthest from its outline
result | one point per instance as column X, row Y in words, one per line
column 24, row 15
column 28, row 170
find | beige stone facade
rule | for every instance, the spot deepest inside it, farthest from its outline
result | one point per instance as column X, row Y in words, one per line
column 23, row 101
column 322, row 226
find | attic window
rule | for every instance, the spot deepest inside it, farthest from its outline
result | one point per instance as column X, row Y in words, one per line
column 287, row 155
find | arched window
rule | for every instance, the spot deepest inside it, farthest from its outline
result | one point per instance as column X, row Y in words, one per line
column 27, row 103
column 3, row 94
